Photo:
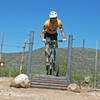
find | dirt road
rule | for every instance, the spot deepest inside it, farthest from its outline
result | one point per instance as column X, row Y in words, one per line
column 11, row 93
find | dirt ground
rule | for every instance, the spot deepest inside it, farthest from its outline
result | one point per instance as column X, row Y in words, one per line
column 11, row 93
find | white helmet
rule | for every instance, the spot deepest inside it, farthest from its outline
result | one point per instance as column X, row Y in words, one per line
column 53, row 14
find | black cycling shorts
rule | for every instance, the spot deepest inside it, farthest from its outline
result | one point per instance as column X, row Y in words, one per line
column 51, row 36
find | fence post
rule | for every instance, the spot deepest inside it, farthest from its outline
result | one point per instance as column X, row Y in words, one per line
column 69, row 58
column 1, row 46
column 22, row 59
column 96, row 59
column 30, row 53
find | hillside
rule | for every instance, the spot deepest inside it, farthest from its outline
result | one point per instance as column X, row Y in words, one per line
column 81, row 58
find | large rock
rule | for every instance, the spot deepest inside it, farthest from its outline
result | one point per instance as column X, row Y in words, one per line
column 21, row 80
column 74, row 88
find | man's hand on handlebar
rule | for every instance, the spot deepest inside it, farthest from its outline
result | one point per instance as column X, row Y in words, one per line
column 44, row 40
column 64, row 39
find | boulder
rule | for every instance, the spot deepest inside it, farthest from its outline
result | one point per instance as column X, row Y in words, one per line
column 21, row 80
column 74, row 88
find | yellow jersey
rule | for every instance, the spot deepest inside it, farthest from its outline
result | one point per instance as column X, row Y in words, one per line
column 52, row 29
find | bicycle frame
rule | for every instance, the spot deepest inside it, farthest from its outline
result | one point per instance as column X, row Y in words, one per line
column 52, row 50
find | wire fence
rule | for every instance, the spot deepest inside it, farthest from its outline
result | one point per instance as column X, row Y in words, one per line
column 38, row 59
column 82, row 65
column 85, row 69
column 13, row 60
column 83, row 62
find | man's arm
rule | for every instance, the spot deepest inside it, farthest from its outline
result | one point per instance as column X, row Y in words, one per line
column 42, row 33
column 62, row 31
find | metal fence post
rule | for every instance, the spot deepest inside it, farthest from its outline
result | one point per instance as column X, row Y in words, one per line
column 96, row 59
column 30, row 54
column 69, row 58
column 1, row 46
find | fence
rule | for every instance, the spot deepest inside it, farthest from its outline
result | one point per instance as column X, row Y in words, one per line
column 83, row 63
column 13, row 60
column 12, row 64
column 85, row 68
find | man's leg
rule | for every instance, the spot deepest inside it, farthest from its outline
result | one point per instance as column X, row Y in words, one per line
column 47, row 53
column 54, row 55
column 47, row 57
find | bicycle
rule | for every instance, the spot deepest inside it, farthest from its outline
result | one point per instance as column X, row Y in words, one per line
column 52, row 59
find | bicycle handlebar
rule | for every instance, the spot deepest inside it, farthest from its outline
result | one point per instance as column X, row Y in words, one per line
column 54, row 40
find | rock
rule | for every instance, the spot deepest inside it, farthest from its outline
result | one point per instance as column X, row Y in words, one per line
column 21, row 80
column 74, row 88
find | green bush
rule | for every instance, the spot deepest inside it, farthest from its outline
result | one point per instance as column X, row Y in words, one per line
column 62, row 68
column 8, row 71
column 4, row 71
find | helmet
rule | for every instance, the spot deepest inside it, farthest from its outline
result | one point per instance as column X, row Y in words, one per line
column 53, row 14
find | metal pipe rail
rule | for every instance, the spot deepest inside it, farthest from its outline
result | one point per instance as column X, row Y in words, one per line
column 44, row 81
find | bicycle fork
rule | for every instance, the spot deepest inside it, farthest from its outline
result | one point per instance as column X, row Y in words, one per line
column 52, row 62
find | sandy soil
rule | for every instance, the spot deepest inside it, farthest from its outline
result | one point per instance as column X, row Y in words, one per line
column 11, row 93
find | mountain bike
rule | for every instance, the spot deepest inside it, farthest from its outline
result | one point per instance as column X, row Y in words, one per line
column 52, row 57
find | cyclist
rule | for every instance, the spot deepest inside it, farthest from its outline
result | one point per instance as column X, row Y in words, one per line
column 49, row 30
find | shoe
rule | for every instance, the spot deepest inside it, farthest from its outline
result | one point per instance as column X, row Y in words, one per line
column 47, row 67
column 50, row 72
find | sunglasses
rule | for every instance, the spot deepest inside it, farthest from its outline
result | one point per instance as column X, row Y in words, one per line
column 53, row 19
